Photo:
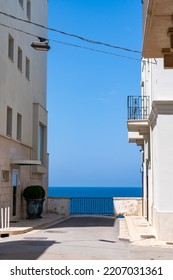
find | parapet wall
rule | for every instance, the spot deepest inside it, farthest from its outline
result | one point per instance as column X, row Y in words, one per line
column 127, row 206
column 122, row 206
column 59, row 205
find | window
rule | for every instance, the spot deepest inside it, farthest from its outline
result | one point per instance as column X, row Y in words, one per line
column 19, row 127
column 9, row 122
column 19, row 59
column 27, row 69
column 41, row 142
column 28, row 9
column 21, row 3
column 11, row 47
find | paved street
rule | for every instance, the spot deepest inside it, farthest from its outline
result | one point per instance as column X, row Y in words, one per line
column 82, row 237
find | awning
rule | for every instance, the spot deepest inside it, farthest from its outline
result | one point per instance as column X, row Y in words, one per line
column 25, row 162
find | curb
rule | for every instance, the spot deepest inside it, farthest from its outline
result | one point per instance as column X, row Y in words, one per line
column 39, row 225
column 123, row 230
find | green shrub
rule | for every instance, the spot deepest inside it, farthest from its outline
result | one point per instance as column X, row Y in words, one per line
column 34, row 192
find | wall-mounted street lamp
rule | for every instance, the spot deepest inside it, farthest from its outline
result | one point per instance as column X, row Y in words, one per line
column 42, row 45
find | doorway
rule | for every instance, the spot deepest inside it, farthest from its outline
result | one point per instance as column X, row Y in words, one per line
column 15, row 185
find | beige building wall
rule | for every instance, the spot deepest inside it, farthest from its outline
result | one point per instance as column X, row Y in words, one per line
column 22, row 103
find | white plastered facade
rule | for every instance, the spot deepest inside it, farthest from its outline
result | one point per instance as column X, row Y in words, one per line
column 157, row 148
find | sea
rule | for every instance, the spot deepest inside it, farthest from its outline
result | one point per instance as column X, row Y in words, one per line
column 61, row 191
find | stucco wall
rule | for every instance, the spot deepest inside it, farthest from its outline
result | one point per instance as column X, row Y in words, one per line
column 163, row 224
column 59, row 205
column 128, row 206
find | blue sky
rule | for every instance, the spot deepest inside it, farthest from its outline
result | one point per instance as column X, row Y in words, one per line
column 87, row 93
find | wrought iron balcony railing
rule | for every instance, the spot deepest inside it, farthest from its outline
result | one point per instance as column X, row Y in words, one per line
column 138, row 107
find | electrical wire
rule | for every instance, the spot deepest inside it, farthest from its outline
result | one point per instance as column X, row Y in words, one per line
column 72, row 45
column 91, row 49
column 70, row 34
column 17, row 29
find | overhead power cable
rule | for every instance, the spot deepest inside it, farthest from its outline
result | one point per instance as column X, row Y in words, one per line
column 17, row 29
column 70, row 34
column 72, row 45
column 91, row 49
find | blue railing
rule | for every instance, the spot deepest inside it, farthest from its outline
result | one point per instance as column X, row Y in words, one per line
column 91, row 205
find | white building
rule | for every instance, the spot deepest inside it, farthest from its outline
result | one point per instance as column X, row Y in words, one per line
column 150, row 120
column 23, row 115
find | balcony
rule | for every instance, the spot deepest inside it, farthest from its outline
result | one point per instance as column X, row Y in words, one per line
column 138, row 113
column 138, row 107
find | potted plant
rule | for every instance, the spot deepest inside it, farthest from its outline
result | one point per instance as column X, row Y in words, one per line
column 34, row 196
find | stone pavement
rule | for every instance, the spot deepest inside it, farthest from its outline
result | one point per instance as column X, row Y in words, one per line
column 83, row 237
column 73, row 238
column 134, row 229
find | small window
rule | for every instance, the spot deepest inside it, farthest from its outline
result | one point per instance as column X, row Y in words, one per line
column 19, row 59
column 9, row 122
column 21, row 3
column 5, row 176
column 11, row 47
column 19, row 127
column 27, row 68
column 28, row 9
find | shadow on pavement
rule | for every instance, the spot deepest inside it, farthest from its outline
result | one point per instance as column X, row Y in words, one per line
column 24, row 249
column 89, row 221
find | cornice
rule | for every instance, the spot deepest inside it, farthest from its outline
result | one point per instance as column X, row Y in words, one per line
column 160, row 107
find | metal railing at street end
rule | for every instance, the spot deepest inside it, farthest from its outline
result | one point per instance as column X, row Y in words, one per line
column 91, row 205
